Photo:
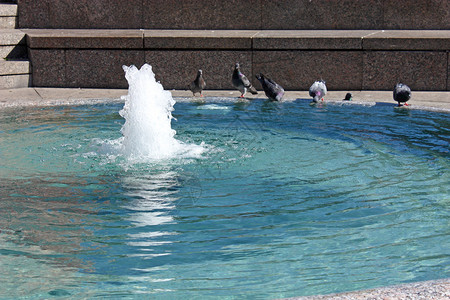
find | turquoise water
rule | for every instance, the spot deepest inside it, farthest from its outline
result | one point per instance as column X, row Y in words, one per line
column 287, row 200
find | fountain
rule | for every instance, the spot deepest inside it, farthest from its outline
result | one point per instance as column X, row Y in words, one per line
column 147, row 132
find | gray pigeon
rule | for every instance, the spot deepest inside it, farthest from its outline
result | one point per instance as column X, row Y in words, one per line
column 241, row 82
column 273, row 90
column 198, row 85
column 318, row 90
column 402, row 93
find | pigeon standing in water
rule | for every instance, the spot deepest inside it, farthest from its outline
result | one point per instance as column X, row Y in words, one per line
column 273, row 90
column 402, row 93
column 198, row 85
column 241, row 82
column 318, row 90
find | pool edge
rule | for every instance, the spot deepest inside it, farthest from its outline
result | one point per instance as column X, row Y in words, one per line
column 424, row 100
column 430, row 290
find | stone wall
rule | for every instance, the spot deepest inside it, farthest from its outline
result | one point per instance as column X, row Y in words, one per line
column 352, row 44
column 235, row 14
column 346, row 59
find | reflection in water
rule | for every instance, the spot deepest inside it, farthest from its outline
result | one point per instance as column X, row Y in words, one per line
column 57, row 225
column 47, row 214
column 153, row 199
column 44, row 226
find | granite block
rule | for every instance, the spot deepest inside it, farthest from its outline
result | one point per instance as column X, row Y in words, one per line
column 176, row 69
column 198, row 39
column 84, row 39
column 192, row 14
column 99, row 68
column 82, row 68
column 310, row 39
column 297, row 70
column 408, row 40
column 324, row 14
column 80, row 14
column 48, row 68
column 421, row 70
column 414, row 14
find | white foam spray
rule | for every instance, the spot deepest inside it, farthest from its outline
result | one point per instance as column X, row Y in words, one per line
column 147, row 132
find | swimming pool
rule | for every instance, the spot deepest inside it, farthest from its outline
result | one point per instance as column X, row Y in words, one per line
column 286, row 199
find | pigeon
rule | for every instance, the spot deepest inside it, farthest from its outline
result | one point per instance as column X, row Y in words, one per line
column 273, row 90
column 348, row 97
column 241, row 82
column 198, row 85
column 318, row 90
column 402, row 93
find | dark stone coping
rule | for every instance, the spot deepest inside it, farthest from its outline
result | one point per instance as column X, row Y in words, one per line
column 428, row 40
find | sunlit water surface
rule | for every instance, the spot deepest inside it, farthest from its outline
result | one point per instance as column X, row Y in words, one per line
column 286, row 200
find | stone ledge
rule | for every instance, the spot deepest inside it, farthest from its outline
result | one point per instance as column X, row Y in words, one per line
column 198, row 39
column 84, row 38
column 408, row 40
column 240, row 39
column 431, row 100
column 310, row 39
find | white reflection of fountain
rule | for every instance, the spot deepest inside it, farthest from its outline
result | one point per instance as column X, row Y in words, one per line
column 154, row 197
column 147, row 132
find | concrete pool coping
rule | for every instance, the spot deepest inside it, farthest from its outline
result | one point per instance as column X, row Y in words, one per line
column 427, row 100
column 426, row 290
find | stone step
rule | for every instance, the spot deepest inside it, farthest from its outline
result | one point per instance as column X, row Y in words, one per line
column 12, row 67
column 8, row 16
column 14, row 74
column 11, row 37
column 15, row 81
column 8, row 10
column 12, row 44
